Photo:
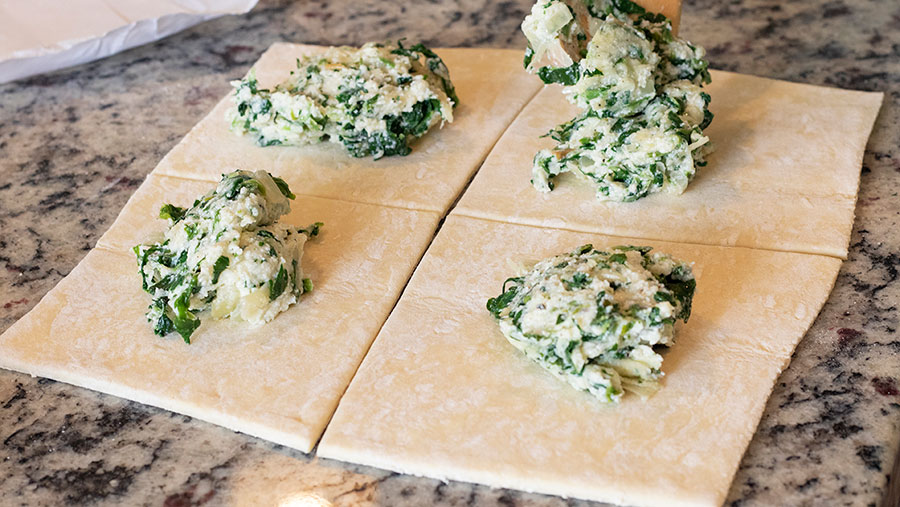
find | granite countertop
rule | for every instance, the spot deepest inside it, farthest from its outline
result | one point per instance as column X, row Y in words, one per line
column 75, row 144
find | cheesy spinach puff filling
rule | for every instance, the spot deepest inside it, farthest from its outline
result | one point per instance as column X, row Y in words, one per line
column 593, row 317
column 373, row 100
column 639, row 86
column 226, row 254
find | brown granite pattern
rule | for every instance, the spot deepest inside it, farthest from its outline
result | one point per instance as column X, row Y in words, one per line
column 76, row 143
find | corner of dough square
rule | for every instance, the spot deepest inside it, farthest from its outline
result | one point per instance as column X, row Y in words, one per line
column 280, row 381
column 492, row 87
column 783, row 176
column 443, row 394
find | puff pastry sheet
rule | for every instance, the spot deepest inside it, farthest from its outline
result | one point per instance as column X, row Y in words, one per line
column 280, row 381
column 441, row 393
column 283, row 380
column 784, row 174
column 430, row 178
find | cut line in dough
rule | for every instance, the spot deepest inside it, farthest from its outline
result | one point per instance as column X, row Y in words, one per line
column 442, row 394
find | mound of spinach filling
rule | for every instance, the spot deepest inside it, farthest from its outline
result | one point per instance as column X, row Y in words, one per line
column 639, row 88
column 226, row 255
column 374, row 100
column 594, row 317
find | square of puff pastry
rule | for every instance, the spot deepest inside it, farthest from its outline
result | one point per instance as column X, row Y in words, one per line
column 280, row 381
column 442, row 393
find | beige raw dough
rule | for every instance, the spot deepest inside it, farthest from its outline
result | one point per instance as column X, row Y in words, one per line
column 430, row 178
column 784, row 175
column 280, row 381
column 443, row 394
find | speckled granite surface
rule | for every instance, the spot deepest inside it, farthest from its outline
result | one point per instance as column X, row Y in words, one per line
column 75, row 144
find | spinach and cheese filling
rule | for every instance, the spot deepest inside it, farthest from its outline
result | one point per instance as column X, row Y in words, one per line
column 639, row 86
column 593, row 317
column 373, row 100
column 225, row 254
column 629, row 157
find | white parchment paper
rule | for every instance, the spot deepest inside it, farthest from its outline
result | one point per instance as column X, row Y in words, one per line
column 43, row 35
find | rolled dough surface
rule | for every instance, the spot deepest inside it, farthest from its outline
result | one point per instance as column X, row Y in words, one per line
column 784, row 174
column 441, row 393
column 492, row 87
column 280, row 381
